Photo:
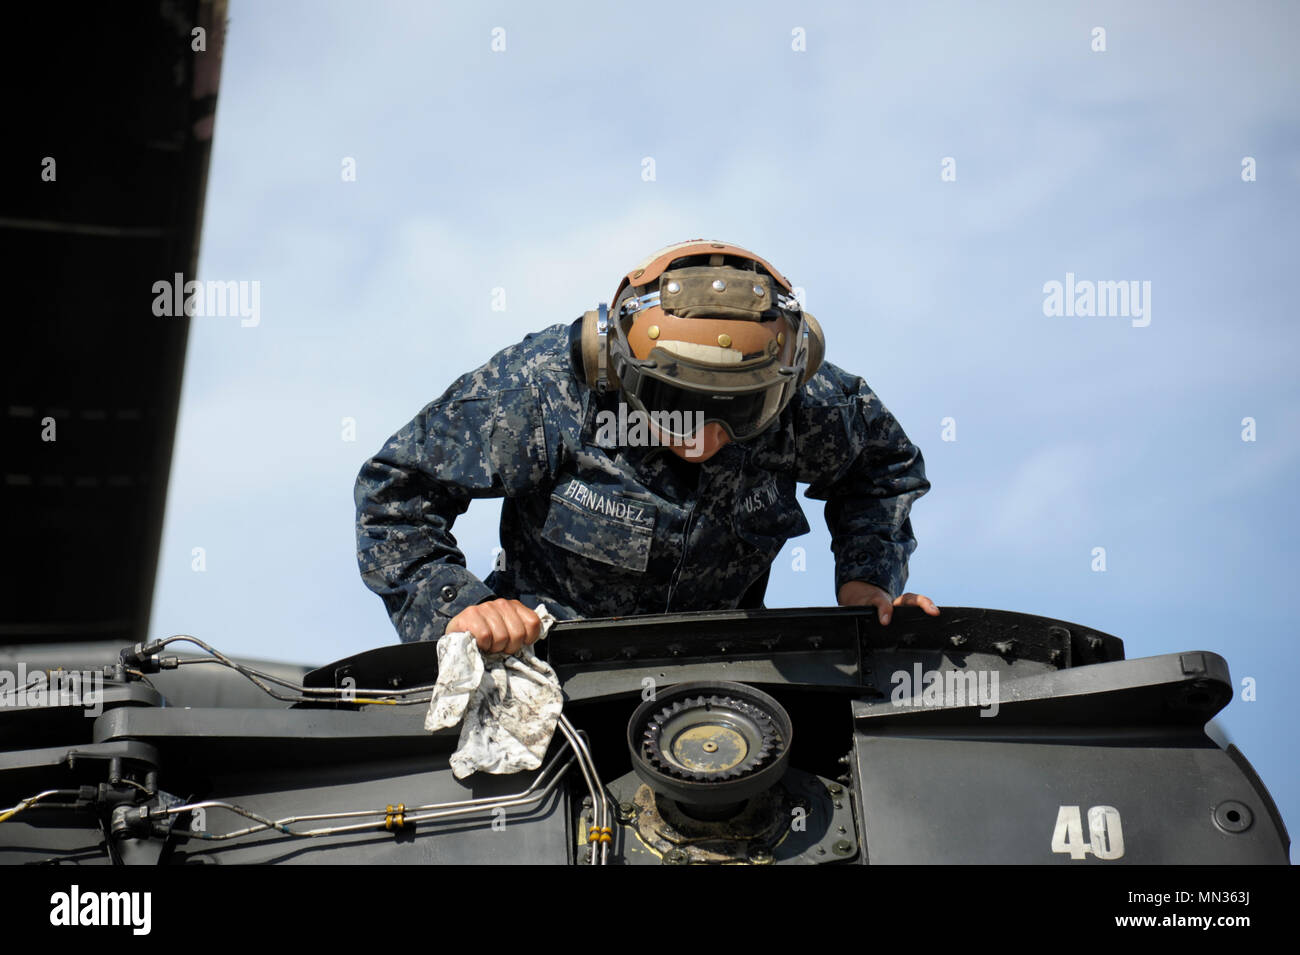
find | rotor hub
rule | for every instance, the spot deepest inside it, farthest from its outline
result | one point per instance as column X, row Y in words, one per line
column 710, row 744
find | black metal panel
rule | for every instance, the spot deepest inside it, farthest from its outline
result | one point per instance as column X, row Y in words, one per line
column 123, row 106
column 1184, row 689
column 74, row 722
column 1077, row 760
column 936, row 800
column 833, row 647
column 943, row 784
column 204, row 686
column 537, row 834
column 289, row 737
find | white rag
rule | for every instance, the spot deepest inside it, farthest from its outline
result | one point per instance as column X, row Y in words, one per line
column 510, row 704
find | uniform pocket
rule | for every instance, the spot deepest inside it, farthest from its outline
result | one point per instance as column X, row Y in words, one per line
column 768, row 515
column 602, row 527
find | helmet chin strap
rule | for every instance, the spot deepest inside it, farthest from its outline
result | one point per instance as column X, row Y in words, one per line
column 602, row 337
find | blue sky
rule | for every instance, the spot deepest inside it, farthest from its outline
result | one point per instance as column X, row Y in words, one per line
column 522, row 170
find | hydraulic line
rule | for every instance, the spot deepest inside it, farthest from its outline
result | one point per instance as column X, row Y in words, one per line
column 540, row 787
column 263, row 680
column 7, row 814
column 601, row 813
column 143, row 658
column 599, row 800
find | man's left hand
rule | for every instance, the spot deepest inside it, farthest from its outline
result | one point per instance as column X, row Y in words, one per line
column 859, row 593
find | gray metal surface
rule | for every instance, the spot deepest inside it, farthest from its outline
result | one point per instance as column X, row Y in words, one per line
column 1087, row 758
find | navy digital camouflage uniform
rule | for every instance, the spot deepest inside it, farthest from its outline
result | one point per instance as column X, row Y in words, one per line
column 599, row 531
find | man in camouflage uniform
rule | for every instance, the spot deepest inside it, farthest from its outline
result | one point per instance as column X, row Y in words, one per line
column 593, row 526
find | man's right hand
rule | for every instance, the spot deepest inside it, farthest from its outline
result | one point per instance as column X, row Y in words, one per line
column 498, row 626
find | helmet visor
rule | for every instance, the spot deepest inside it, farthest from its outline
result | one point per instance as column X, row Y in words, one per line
column 679, row 412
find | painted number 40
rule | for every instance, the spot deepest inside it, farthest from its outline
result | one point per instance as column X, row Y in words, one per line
column 1105, row 837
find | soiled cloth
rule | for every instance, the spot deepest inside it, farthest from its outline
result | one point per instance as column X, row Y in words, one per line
column 510, row 704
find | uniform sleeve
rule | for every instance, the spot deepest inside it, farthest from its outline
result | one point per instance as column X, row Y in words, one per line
column 855, row 456
column 483, row 438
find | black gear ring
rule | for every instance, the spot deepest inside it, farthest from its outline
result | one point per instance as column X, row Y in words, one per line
column 759, row 752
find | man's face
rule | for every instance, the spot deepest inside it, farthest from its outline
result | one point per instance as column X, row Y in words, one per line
column 700, row 447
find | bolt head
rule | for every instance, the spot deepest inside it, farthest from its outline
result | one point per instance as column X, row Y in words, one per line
column 1233, row 816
